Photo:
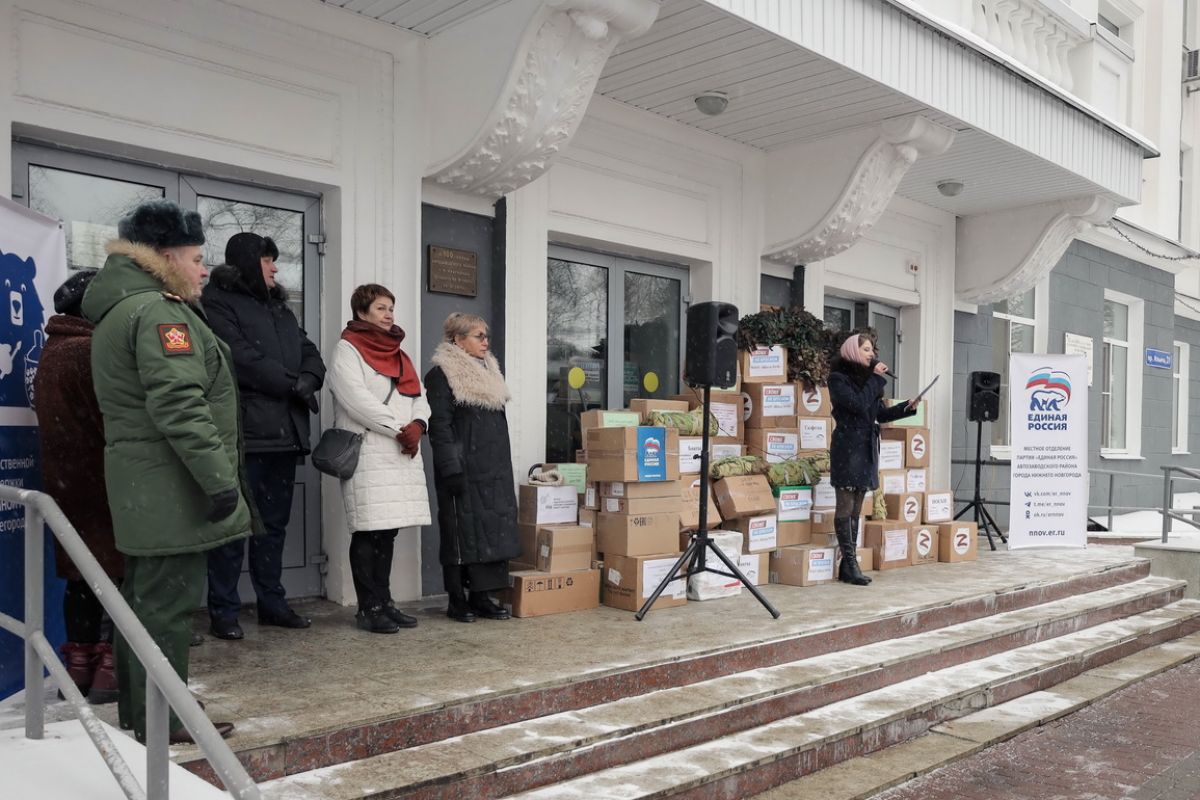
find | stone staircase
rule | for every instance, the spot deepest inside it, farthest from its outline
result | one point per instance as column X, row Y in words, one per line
column 737, row 721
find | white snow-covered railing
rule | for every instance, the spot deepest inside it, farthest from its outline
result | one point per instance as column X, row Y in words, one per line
column 165, row 690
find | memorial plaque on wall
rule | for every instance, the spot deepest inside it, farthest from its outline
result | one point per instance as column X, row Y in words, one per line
column 453, row 271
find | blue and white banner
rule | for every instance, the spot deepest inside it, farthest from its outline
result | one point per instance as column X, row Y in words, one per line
column 33, row 263
column 1048, row 429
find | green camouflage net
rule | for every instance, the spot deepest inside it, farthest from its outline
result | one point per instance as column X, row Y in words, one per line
column 798, row 471
column 736, row 465
column 880, row 505
column 688, row 423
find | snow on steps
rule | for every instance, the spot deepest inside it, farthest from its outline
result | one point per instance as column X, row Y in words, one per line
column 516, row 757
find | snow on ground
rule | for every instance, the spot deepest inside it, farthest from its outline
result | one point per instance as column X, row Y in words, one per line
column 1150, row 522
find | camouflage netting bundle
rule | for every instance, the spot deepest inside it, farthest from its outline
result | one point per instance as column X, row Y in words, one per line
column 798, row 471
column 880, row 511
column 734, row 466
column 688, row 423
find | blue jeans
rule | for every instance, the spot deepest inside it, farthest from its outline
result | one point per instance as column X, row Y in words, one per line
column 272, row 478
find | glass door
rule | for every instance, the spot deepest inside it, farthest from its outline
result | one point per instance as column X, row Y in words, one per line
column 886, row 322
column 91, row 193
column 594, row 300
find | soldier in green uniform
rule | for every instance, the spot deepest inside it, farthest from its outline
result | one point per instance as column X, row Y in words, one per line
column 172, row 465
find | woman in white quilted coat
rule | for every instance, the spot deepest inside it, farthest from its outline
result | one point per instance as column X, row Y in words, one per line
column 377, row 392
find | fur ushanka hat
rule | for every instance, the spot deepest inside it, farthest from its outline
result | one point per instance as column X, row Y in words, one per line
column 161, row 223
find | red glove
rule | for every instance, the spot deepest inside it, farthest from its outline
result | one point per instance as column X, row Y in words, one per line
column 409, row 437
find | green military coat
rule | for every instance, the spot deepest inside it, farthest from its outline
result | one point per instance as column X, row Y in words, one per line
column 169, row 399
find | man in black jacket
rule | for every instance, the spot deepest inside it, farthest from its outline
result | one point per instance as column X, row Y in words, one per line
column 279, row 372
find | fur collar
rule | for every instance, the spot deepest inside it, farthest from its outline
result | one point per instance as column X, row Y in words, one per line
column 156, row 265
column 854, row 371
column 473, row 383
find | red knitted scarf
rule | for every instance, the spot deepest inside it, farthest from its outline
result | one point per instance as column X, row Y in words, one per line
column 381, row 350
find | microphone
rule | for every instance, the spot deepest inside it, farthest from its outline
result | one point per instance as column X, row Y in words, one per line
column 887, row 372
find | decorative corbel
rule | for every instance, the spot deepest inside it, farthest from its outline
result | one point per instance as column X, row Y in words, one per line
column 862, row 194
column 546, row 94
column 1005, row 253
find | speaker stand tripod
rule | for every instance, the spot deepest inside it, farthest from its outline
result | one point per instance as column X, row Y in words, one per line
column 983, row 517
column 695, row 555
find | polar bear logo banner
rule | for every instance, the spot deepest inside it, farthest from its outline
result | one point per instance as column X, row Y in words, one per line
column 33, row 263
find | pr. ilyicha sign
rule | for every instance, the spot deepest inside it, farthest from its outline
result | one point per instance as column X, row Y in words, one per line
column 1159, row 359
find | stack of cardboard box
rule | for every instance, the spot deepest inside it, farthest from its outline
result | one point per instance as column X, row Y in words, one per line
column 554, row 572
column 749, row 507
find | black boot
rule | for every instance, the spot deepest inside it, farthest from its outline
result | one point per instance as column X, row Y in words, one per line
column 459, row 609
column 849, row 571
column 375, row 620
column 485, row 606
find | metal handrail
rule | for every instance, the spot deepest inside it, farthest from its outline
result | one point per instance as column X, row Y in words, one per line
column 1169, row 497
column 1168, row 491
column 165, row 690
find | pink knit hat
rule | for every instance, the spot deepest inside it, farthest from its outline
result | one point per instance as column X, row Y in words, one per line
column 851, row 352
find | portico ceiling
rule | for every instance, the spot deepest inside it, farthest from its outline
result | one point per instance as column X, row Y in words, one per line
column 428, row 17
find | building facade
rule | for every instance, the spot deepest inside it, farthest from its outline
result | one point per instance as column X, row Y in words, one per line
column 924, row 164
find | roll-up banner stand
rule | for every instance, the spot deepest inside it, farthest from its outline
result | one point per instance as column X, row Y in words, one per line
column 1048, row 419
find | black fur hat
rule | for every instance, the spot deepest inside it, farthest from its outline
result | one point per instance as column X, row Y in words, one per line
column 245, row 251
column 161, row 223
column 68, row 298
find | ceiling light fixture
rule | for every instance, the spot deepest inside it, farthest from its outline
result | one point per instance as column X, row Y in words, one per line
column 950, row 188
column 712, row 103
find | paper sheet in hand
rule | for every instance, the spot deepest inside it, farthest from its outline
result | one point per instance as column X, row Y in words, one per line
column 927, row 388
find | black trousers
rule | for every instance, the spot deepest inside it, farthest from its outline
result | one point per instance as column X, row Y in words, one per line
column 462, row 578
column 85, row 618
column 272, row 478
column 371, row 566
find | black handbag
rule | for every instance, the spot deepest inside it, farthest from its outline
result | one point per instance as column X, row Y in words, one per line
column 337, row 452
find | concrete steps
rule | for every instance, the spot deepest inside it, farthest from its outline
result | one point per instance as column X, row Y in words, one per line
column 365, row 737
column 818, row 710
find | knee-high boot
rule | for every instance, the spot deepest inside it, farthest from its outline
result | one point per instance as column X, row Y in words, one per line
column 849, row 571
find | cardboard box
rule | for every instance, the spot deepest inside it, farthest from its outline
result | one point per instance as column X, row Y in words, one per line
column 519, row 566
column 534, row 594
column 630, row 580
column 587, row 518
column 815, row 433
column 803, row 566
column 891, row 455
column 790, row 534
column 727, row 407
column 939, row 507
column 813, row 401
column 709, row 585
column 916, row 480
column 547, row 505
column 773, row 444
column 868, row 505
column 527, row 536
column 905, row 507
column 823, row 540
column 866, row 559
column 633, row 454
column 822, row 520
column 769, row 405
column 591, row 496
column 689, row 513
column 824, row 495
column 637, row 491
column 958, row 541
column 642, row 406
column 565, row 549
column 636, row 534
column 793, row 503
column 640, row 505
column 890, row 540
column 918, row 420
column 756, row 567
column 924, row 544
column 690, row 450
column 763, row 365
column 893, row 481
column 916, row 444
column 759, row 533
column 719, row 451
column 744, row 495
column 600, row 418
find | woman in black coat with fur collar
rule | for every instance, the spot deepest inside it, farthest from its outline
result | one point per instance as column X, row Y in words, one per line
column 477, row 505
column 856, row 387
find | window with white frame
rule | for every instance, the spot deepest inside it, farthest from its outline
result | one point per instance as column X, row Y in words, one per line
column 1013, row 327
column 1121, row 376
column 1179, row 398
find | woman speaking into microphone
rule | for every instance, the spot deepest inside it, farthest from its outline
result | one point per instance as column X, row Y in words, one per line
column 856, row 387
